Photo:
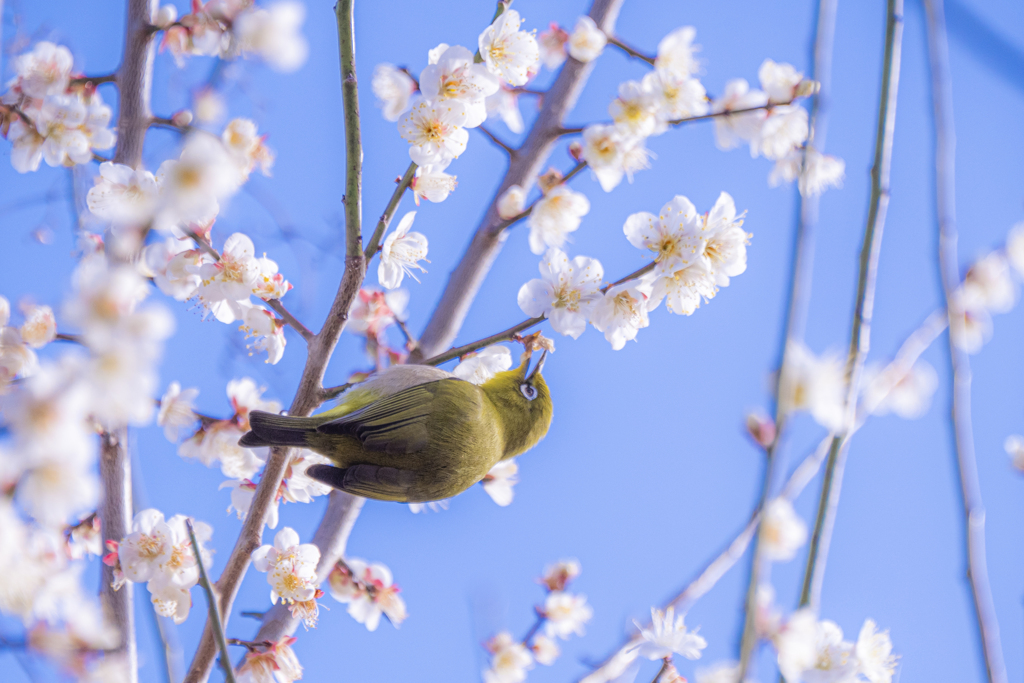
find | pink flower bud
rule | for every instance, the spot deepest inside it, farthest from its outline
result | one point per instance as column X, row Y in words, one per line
column 761, row 429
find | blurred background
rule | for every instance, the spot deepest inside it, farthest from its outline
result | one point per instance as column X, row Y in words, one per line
column 646, row 473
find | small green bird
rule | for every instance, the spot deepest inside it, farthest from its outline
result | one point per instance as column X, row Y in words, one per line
column 414, row 433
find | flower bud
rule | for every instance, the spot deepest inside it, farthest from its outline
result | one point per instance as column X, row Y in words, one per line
column 550, row 180
column 761, row 429
column 165, row 16
column 576, row 150
column 806, row 88
column 512, row 202
column 182, row 118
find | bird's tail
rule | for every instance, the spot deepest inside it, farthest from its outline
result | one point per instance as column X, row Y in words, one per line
column 269, row 429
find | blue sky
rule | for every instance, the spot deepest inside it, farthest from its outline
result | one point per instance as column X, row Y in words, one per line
column 646, row 473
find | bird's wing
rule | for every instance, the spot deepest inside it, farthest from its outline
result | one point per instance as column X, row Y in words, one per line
column 396, row 424
column 369, row 481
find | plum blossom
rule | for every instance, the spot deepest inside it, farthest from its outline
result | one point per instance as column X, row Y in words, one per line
column 782, row 531
column 604, row 150
column 565, row 293
column 393, row 88
column 675, row 52
column 675, row 96
column 268, row 332
column 635, row 110
column 276, row 663
column 972, row 329
column 621, row 312
column 435, row 131
column 731, row 130
column 193, row 184
column 779, row 81
column 509, row 53
column 816, row 171
column 905, row 392
column 782, row 131
column 219, row 444
column 1014, row 447
column 432, row 183
column 545, row 650
column 65, row 129
column 554, row 216
column 565, row 614
column 668, row 635
column 369, row 590
column 558, row 575
column 988, row 285
column 1015, row 248
column 510, row 659
column 512, row 202
column 482, row 365
column 587, row 41
column 174, row 264
column 39, row 328
column 499, row 481
column 273, row 34
column 505, row 103
column 149, row 546
column 228, row 283
column 177, row 411
column 725, row 242
column 675, row 236
column 455, row 77
column 815, row 384
column 46, row 70
column 5, row 311
column 290, row 567
column 873, row 650
column 833, row 658
column 373, row 311
column 240, row 139
column 552, row 46
column 123, row 194
column 401, row 253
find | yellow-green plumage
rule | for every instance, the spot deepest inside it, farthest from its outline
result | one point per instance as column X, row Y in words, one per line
column 415, row 434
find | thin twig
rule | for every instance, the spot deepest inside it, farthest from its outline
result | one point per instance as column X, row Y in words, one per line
column 389, row 212
column 963, row 437
column 703, row 117
column 497, row 141
column 211, row 602
column 631, row 51
column 95, row 80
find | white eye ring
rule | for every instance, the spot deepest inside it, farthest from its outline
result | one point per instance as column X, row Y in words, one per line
column 528, row 390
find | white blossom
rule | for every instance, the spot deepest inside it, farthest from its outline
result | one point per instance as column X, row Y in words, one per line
column 1015, row 248
column 5, row 311
column 393, row 88
column 273, row 34
column 554, row 216
column 505, row 103
column 552, row 46
column 1014, row 446
column 174, row 264
column 565, row 293
column 434, row 131
column 193, row 185
column 875, row 660
column 369, row 590
column 972, row 330
column 509, row 53
column 731, row 130
column 240, row 139
column 565, row 614
column 268, row 332
column 782, row 131
column 725, row 242
column 123, row 194
column 455, row 77
column 432, row 183
column 817, row 172
column 907, row 393
column 668, row 635
column 636, row 109
column 545, row 650
column 675, row 96
column 498, row 482
column 177, row 411
column 46, row 70
column 675, row 236
column 290, row 567
column 782, row 531
column 988, row 285
column 621, row 313
column 67, row 130
column 815, row 384
column 147, row 548
column 587, row 41
column 401, row 253
column 675, row 52
column 604, row 150
column 276, row 664
column 209, row 106
column 510, row 660
column 373, row 311
column 228, row 283
column 219, row 444
column 512, row 202
column 779, row 80
column 39, row 328
column 482, row 365
column 722, row 672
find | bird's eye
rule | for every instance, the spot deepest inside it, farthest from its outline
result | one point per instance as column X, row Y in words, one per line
column 529, row 391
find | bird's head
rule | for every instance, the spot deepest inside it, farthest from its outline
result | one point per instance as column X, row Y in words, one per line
column 523, row 402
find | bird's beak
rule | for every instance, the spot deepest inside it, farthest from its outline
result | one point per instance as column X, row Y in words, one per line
column 538, row 366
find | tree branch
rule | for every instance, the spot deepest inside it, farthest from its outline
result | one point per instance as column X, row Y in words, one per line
column 523, row 170
column 948, row 262
column 632, row 52
column 385, row 219
column 310, row 391
column 211, row 603
column 134, row 83
column 494, row 138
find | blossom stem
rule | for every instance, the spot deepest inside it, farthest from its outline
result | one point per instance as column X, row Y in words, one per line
column 389, row 211
column 497, row 141
column 948, row 264
column 541, row 618
column 528, row 210
column 95, row 80
column 665, row 664
column 211, row 601
column 467, row 277
column 73, row 338
column 632, row 52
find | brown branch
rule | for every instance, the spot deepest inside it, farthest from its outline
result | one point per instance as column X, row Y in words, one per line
column 497, row 141
column 632, row 52
column 134, row 83
column 465, row 280
column 962, row 428
column 95, row 80
column 319, row 349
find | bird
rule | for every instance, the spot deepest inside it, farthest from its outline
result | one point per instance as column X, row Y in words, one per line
column 415, row 433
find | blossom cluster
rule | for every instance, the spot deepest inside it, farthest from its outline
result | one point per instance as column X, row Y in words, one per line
column 369, row 590
column 47, row 116
column 159, row 552
column 230, row 28
column 290, row 567
column 694, row 254
column 562, row 615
